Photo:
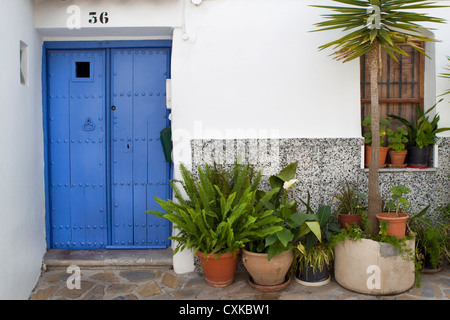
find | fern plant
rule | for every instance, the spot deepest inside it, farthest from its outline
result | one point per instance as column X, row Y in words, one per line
column 222, row 212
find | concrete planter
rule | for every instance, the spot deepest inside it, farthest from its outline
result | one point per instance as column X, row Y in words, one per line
column 372, row 267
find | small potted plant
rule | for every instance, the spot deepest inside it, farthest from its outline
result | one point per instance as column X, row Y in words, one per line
column 395, row 216
column 313, row 252
column 384, row 124
column 313, row 265
column 349, row 208
column 421, row 135
column 397, row 147
column 432, row 238
column 222, row 213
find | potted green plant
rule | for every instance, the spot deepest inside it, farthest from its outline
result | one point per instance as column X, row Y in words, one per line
column 397, row 147
column 222, row 212
column 268, row 260
column 395, row 216
column 313, row 253
column 432, row 238
column 313, row 265
column 349, row 208
column 421, row 135
column 384, row 124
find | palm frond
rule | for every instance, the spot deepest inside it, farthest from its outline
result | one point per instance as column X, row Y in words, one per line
column 396, row 26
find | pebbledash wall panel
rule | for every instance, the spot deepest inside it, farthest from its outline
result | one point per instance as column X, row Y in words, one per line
column 324, row 164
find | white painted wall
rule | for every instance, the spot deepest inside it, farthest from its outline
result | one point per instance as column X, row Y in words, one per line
column 442, row 52
column 252, row 69
column 433, row 68
column 240, row 68
column 22, row 227
column 127, row 18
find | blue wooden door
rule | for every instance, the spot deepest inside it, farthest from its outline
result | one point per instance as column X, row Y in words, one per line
column 106, row 162
column 139, row 170
column 77, row 149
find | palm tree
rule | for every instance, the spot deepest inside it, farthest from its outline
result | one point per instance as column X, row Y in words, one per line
column 371, row 26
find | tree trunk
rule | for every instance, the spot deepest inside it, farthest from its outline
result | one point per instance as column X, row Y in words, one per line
column 375, row 202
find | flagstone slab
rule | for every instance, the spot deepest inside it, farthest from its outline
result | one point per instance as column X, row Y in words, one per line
column 170, row 280
column 105, row 276
column 44, row 294
column 149, row 289
column 140, row 275
column 121, row 288
column 97, row 293
column 72, row 294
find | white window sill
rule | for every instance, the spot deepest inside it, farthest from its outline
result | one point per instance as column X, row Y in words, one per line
column 403, row 170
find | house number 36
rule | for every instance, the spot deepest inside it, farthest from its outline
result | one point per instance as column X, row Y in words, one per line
column 102, row 17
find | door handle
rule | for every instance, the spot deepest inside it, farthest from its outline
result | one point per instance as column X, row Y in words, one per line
column 113, row 108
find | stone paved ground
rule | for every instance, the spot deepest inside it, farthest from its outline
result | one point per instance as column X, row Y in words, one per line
column 133, row 283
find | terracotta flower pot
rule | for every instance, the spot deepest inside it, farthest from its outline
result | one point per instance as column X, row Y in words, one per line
column 346, row 220
column 397, row 225
column 382, row 157
column 265, row 272
column 219, row 272
column 397, row 158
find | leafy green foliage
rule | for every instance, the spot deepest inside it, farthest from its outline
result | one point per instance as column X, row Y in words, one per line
column 223, row 210
column 367, row 122
column 422, row 132
column 397, row 140
column 321, row 226
column 432, row 237
column 289, row 219
column 396, row 26
column 316, row 232
column 349, row 200
column 319, row 257
column 398, row 203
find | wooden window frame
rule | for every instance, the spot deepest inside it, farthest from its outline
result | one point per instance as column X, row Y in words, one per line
column 415, row 101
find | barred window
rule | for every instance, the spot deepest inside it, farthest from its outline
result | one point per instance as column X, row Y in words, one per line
column 401, row 85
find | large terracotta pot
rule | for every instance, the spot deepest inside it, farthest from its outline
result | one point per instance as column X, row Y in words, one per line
column 347, row 220
column 382, row 157
column 265, row 272
column 397, row 225
column 219, row 271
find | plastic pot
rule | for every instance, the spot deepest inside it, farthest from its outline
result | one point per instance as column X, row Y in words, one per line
column 417, row 157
